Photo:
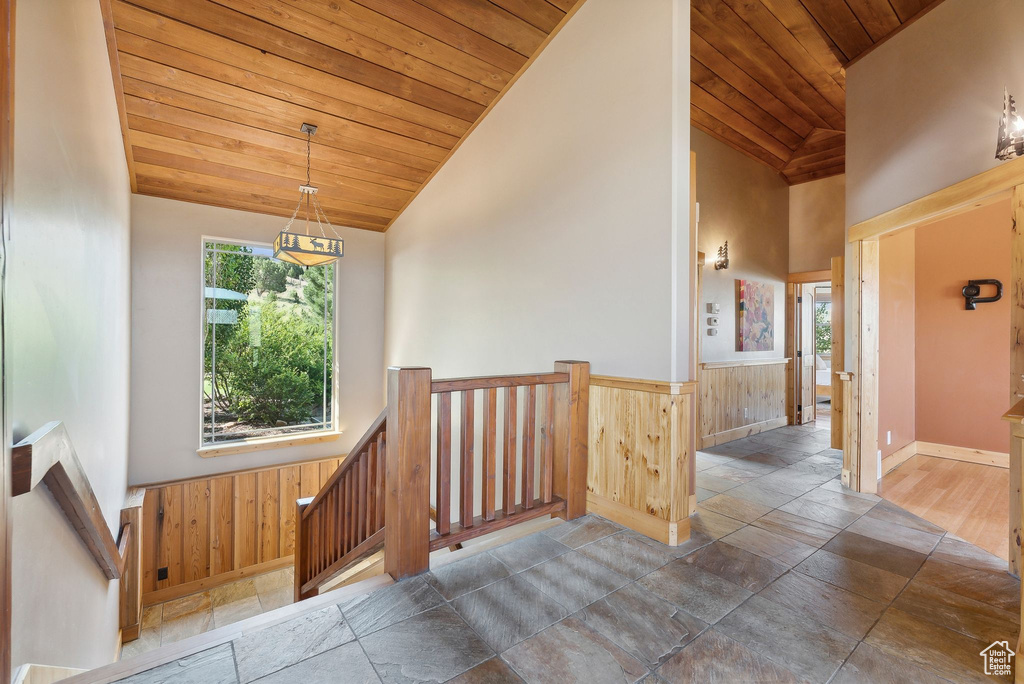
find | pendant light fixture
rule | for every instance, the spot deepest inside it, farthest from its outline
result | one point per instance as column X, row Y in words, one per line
column 307, row 249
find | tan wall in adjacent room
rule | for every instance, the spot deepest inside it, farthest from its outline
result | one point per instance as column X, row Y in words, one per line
column 896, row 356
column 817, row 223
column 963, row 357
column 747, row 204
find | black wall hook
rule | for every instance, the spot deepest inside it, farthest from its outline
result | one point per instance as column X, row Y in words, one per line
column 973, row 288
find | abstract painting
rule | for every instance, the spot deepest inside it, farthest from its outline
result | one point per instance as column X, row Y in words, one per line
column 756, row 311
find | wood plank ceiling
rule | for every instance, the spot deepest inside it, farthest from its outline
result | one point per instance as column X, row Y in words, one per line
column 768, row 77
column 212, row 94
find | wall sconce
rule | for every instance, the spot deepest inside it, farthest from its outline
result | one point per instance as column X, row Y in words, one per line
column 1011, row 130
column 722, row 262
column 973, row 288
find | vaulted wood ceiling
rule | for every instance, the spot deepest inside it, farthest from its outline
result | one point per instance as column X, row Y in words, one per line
column 768, row 77
column 212, row 94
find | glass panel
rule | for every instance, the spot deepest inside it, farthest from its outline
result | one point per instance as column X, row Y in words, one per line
column 267, row 344
column 823, row 327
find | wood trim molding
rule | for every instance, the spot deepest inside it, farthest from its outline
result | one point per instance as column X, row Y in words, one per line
column 822, row 276
column 263, row 443
column 665, row 531
column 115, row 72
column 956, row 453
column 653, row 386
column 743, row 362
column 511, row 82
column 981, row 189
column 898, row 457
column 240, row 471
column 741, row 432
column 7, row 53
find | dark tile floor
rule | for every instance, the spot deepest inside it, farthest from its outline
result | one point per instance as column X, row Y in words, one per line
column 786, row 577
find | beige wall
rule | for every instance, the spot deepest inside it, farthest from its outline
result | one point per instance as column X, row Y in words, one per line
column 747, row 204
column 817, row 223
column 922, row 109
column 550, row 233
column 67, row 320
column 166, row 356
column 897, row 342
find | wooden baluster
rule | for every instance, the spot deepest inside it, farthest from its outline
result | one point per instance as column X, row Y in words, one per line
column 362, row 499
column 467, row 446
column 338, row 507
column 407, row 502
column 381, row 459
column 509, row 474
column 547, row 445
column 490, row 442
column 529, row 424
column 371, row 488
column 444, row 463
column 571, row 434
column 350, row 494
column 329, row 524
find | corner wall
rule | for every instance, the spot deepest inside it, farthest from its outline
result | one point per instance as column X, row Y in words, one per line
column 549, row 232
column 817, row 224
column 67, row 322
column 897, row 342
column 167, row 241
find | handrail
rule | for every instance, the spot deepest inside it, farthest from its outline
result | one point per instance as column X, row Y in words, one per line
column 350, row 459
column 489, row 381
column 48, row 456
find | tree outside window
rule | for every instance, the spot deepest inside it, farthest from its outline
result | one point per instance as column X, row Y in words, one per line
column 823, row 327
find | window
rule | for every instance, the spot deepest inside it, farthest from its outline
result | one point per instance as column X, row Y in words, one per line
column 823, row 327
column 268, row 344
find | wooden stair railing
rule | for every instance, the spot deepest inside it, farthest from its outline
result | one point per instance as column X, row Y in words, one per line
column 48, row 456
column 380, row 494
column 345, row 520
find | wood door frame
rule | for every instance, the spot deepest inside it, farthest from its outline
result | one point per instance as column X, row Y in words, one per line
column 1000, row 183
column 7, row 8
column 795, row 283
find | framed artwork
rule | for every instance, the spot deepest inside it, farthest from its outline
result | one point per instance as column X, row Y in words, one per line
column 755, row 308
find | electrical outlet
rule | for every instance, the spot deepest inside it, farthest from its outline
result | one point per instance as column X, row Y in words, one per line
column 161, row 573
column 879, row 464
column 744, row 411
column 888, row 437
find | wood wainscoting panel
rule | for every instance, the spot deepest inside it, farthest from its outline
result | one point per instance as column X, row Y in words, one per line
column 741, row 398
column 227, row 526
column 638, row 471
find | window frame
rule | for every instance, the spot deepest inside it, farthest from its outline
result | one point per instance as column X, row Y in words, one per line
column 254, row 443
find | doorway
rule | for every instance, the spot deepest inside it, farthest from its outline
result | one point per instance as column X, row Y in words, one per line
column 810, row 342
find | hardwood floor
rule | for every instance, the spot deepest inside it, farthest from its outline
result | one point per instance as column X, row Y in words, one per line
column 966, row 499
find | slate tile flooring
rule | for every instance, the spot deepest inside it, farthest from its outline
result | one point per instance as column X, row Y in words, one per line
column 787, row 577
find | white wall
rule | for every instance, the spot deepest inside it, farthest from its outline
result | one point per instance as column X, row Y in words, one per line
column 817, row 223
column 549, row 233
column 747, row 204
column 67, row 320
column 922, row 110
column 167, row 238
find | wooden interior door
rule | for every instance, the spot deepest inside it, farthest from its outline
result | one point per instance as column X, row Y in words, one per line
column 805, row 353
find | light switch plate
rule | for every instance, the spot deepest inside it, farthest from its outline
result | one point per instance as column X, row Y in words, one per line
column 712, row 320
column 712, row 331
column 713, row 308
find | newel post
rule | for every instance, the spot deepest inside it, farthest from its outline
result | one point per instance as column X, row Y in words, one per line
column 302, row 550
column 572, row 415
column 407, row 478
